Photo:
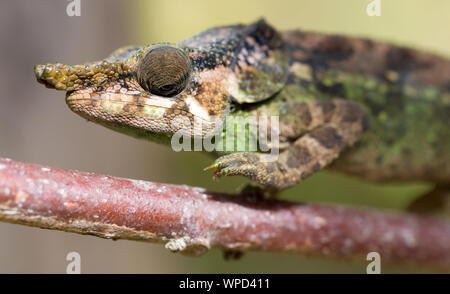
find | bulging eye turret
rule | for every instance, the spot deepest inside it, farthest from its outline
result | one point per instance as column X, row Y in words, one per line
column 164, row 71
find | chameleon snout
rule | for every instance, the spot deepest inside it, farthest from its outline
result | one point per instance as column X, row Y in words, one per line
column 40, row 77
column 55, row 76
column 77, row 77
column 38, row 71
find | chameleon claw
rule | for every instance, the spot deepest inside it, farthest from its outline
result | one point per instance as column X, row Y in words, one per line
column 209, row 167
column 214, row 165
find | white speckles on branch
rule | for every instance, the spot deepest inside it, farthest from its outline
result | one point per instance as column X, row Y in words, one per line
column 409, row 237
column 21, row 197
column 62, row 192
column 318, row 222
column 44, row 181
column 146, row 186
column 178, row 244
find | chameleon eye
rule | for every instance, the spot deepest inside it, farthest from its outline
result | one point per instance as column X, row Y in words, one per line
column 164, row 71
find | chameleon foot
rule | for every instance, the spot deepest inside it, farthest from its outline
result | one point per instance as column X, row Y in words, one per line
column 244, row 163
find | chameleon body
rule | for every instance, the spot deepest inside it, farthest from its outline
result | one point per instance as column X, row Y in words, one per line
column 366, row 108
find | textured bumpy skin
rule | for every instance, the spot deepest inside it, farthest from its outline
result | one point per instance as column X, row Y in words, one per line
column 366, row 108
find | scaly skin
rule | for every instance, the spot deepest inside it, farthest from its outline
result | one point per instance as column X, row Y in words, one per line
column 382, row 111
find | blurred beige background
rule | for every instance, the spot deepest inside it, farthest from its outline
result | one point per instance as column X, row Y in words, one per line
column 36, row 126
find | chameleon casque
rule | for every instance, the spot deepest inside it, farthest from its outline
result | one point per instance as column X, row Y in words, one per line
column 357, row 106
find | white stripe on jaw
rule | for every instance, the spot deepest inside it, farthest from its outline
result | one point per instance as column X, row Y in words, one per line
column 160, row 102
column 196, row 109
column 127, row 98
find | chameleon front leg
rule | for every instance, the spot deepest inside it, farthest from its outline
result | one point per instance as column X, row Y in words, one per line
column 336, row 124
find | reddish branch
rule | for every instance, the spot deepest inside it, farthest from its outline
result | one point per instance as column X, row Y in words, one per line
column 192, row 219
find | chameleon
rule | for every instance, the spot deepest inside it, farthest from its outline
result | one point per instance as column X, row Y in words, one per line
column 371, row 109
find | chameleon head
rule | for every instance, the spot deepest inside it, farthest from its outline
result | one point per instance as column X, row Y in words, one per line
column 141, row 89
column 164, row 88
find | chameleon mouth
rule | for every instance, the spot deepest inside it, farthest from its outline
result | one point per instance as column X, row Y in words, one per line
column 112, row 103
column 122, row 112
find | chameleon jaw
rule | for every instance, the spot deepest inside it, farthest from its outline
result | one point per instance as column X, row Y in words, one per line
column 117, row 103
column 135, row 119
column 142, row 115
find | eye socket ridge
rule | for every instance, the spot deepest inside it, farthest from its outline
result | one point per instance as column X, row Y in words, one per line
column 164, row 71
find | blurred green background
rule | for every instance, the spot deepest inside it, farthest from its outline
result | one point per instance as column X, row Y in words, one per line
column 36, row 126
